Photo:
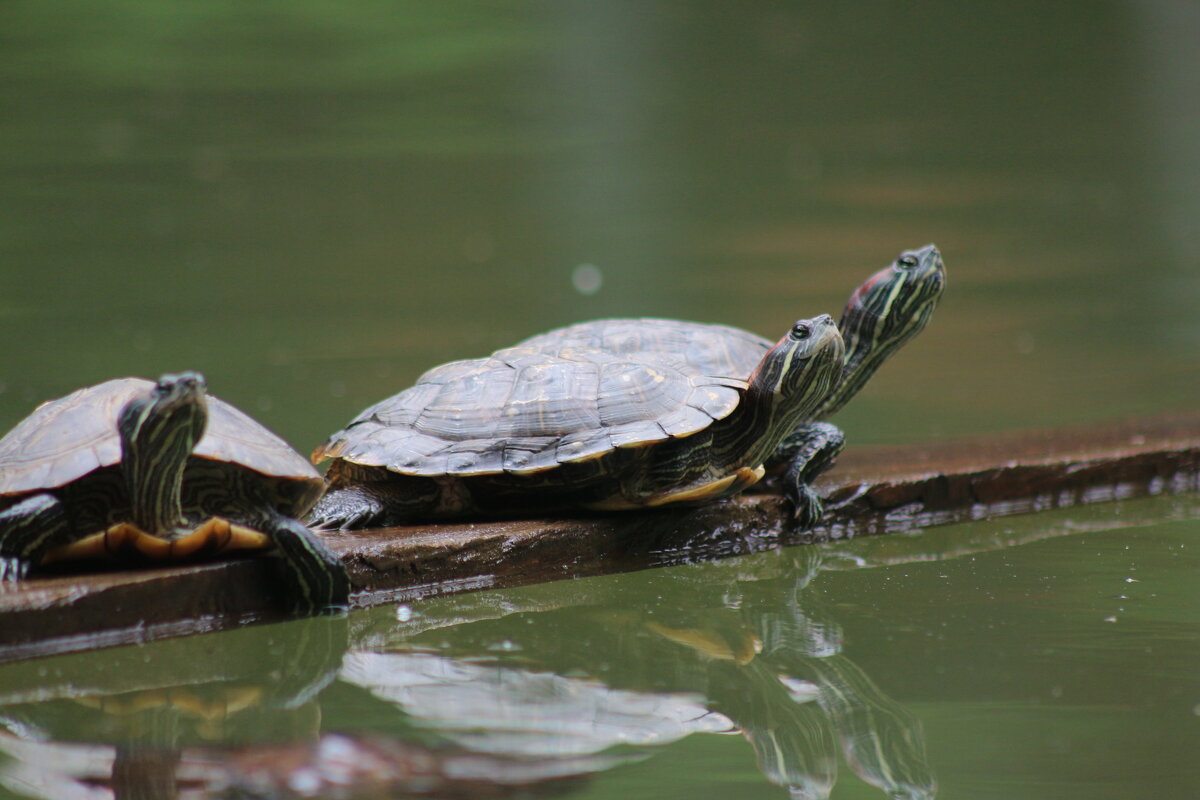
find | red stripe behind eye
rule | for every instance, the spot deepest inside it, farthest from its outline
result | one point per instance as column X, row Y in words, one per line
column 867, row 285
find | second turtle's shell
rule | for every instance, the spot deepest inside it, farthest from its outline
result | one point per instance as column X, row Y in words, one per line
column 569, row 395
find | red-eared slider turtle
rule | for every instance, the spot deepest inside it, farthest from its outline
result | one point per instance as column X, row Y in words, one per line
column 373, row 483
column 154, row 471
column 888, row 309
column 544, row 427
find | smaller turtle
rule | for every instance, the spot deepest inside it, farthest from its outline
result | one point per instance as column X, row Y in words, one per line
column 152, row 471
column 548, row 427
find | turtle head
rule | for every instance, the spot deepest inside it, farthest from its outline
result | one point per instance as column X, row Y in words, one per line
column 887, row 310
column 159, row 428
column 802, row 367
column 894, row 304
column 170, row 414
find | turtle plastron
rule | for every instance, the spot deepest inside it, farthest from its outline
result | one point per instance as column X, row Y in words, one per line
column 697, row 493
column 215, row 534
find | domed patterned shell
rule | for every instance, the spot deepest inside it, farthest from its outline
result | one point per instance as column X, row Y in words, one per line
column 65, row 439
column 700, row 348
column 561, row 397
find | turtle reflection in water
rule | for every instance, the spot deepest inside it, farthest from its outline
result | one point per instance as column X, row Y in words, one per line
column 626, row 413
column 132, row 719
column 743, row 645
column 158, row 470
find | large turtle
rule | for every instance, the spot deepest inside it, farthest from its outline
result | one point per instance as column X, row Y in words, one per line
column 158, row 470
column 545, row 427
column 888, row 309
column 418, row 455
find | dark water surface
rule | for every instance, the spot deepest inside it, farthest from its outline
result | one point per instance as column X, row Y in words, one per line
column 313, row 202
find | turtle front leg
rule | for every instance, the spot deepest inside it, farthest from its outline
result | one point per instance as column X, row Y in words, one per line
column 348, row 508
column 379, row 504
column 314, row 575
column 808, row 451
column 27, row 531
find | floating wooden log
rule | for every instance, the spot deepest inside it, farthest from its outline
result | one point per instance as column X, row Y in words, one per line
column 872, row 491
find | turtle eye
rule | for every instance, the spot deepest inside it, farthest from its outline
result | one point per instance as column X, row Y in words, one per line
column 801, row 331
column 907, row 261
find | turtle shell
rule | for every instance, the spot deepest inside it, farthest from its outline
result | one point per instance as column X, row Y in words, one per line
column 562, row 397
column 701, row 348
column 65, row 439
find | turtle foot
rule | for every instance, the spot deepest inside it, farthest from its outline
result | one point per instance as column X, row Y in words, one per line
column 347, row 509
column 808, row 451
column 28, row 530
column 807, row 506
column 315, row 575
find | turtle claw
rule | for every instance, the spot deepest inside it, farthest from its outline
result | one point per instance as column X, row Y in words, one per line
column 807, row 507
column 320, row 522
column 345, row 509
column 12, row 571
column 325, row 524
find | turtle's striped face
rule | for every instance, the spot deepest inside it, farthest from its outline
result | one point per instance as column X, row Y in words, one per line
column 887, row 310
column 895, row 303
column 168, row 418
column 158, row 431
column 803, row 367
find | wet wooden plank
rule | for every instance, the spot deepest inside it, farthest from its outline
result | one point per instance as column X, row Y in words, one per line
column 873, row 490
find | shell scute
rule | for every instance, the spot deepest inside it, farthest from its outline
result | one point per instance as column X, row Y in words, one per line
column 551, row 399
column 583, row 446
column 633, row 391
column 475, row 457
column 519, row 357
column 408, row 450
column 529, row 454
column 637, row 434
column 468, row 406
column 401, row 409
column 684, row 421
column 235, row 437
column 716, row 400
column 451, row 371
column 704, row 348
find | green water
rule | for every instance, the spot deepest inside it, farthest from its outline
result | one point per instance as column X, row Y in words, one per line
column 313, row 202
column 1040, row 657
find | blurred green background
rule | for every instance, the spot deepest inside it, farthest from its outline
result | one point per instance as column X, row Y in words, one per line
column 313, row 202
